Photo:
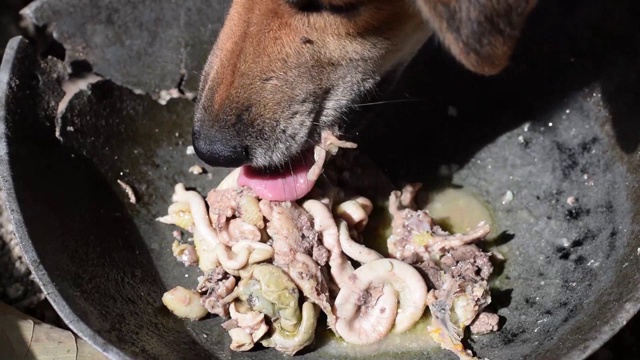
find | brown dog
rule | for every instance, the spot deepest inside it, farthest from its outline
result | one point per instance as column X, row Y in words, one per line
column 282, row 71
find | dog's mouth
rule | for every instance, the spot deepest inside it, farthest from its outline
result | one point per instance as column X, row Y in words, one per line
column 297, row 178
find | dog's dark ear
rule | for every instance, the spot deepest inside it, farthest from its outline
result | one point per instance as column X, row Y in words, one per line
column 481, row 34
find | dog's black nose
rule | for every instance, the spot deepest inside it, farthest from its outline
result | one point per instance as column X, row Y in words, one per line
column 219, row 147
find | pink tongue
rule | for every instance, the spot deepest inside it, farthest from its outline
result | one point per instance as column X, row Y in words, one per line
column 287, row 186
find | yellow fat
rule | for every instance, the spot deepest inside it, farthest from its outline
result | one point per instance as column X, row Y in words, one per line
column 423, row 239
column 250, row 211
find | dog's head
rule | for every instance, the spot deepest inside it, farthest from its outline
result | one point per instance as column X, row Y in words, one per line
column 282, row 71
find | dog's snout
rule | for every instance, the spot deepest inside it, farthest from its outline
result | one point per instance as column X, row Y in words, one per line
column 219, row 147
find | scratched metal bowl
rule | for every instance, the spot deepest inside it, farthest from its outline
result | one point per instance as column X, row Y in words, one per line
column 561, row 122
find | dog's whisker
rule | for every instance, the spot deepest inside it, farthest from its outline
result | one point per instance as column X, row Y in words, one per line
column 306, row 178
column 313, row 142
column 292, row 176
column 284, row 187
column 388, row 102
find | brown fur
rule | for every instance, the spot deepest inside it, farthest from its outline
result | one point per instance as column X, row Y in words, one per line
column 283, row 70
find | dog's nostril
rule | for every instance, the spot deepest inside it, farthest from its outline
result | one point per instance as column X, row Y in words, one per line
column 219, row 148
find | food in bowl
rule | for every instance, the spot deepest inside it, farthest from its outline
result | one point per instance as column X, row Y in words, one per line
column 273, row 267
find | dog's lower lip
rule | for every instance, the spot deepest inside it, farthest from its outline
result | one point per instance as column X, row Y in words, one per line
column 289, row 183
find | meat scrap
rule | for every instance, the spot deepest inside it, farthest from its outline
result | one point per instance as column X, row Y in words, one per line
column 267, row 289
column 485, row 323
column 298, row 251
column 460, row 293
column 216, row 285
column 456, row 270
column 329, row 146
column 129, row 191
column 185, row 253
column 245, row 328
column 415, row 237
column 223, row 204
column 291, row 229
column 467, row 262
